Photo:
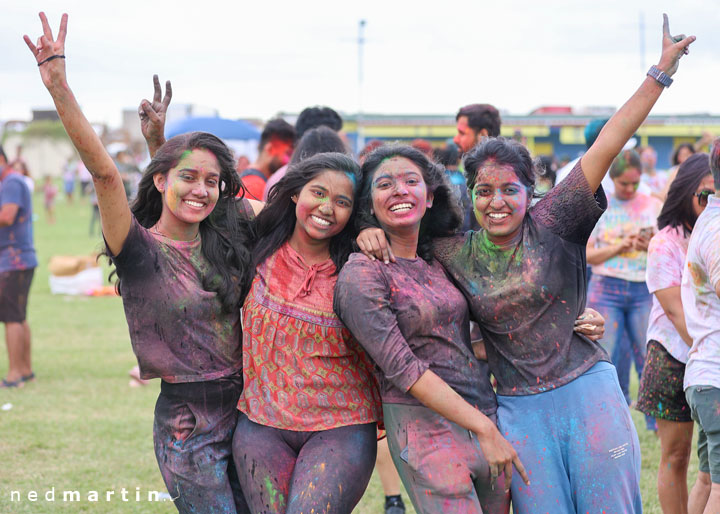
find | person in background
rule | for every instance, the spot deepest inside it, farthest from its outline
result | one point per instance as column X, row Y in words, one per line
column 50, row 191
column 17, row 266
column 547, row 174
column 617, row 252
column 656, row 180
column 475, row 122
column 242, row 164
column 69, row 175
column 700, row 293
column 275, row 148
column 309, row 118
column 661, row 394
column 682, row 152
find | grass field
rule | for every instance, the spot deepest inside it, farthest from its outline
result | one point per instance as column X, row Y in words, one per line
column 79, row 427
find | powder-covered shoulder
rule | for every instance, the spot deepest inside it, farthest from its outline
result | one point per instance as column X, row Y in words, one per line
column 445, row 248
column 570, row 210
column 358, row 267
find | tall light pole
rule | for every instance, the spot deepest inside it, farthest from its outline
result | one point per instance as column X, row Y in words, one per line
column 360, row 144
column 641, row 29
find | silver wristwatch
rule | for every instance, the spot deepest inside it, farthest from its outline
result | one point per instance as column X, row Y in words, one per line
column 660, row 76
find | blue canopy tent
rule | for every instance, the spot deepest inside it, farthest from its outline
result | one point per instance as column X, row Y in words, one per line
column 241, row 136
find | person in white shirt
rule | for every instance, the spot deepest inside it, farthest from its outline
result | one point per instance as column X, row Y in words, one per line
column 700, row 292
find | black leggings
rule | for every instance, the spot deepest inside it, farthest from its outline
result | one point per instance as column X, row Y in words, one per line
column 284, row 471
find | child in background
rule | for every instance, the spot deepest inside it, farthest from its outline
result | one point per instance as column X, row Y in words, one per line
column 50, row 191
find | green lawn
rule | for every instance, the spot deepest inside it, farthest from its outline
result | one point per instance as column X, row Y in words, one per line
column 80, row 427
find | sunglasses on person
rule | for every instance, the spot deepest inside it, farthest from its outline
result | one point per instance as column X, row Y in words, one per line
column 703, row 195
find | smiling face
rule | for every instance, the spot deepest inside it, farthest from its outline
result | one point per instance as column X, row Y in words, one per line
column 626, row 185
column 500, row 201
column 190, row 191
column 399, row 195
column 323, row 206
column 708, row 186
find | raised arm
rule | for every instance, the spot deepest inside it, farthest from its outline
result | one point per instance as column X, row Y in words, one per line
column 112, row 202
column 152, row 116
column 627, row 120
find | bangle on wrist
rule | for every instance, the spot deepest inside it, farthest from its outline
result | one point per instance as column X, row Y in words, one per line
column 660, row 76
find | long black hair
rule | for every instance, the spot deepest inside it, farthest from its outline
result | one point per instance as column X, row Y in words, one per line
column 226, row 234
column 677, row 211
column 276, row 222
column 442, row 219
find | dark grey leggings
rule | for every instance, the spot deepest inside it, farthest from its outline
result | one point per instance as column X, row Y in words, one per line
column 284, row 471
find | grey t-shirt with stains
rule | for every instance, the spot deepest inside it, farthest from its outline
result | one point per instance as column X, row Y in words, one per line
column 409, row 317
column 177, row 329
column 527, row 296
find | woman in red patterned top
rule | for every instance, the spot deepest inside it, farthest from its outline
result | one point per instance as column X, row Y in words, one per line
column 306, row 436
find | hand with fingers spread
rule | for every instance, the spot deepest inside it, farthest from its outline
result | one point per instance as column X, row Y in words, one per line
column 153, row 115
column 50, row 53
column 673, row 48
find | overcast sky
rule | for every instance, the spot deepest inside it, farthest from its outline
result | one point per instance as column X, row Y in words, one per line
column 257, row 58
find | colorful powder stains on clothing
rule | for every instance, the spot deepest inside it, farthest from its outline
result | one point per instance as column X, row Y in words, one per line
column 325, row 471
column 621, row 219
column 16, row 240
column 666, row 257
column 410, row 318
column 701, row 305
column 192, row 434
column 302, row 368
column 178, row 330
column 526, row 295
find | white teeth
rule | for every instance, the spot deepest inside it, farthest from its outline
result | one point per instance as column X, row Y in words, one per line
column 498, row 215
column 193, row 204
column 320, row 221
column 401, row 207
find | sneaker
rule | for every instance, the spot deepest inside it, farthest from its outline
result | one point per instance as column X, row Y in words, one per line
column 394, row 505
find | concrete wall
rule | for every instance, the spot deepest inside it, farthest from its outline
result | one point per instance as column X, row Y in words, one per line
column 43, row 156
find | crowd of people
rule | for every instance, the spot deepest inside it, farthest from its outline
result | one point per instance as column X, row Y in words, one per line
column 298, row 309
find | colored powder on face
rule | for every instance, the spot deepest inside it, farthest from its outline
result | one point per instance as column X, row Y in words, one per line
column 353, row 180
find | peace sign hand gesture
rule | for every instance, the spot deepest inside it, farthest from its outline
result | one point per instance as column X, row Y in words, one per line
column 152, row 115
column 50, row 53
column 673, row 47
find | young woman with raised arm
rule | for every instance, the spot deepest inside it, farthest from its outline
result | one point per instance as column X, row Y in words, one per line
column 183, row 263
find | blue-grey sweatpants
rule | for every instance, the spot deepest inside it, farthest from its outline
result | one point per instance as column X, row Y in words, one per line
column 578, row 445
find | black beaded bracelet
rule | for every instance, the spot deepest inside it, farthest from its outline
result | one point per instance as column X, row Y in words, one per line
column 51, row 58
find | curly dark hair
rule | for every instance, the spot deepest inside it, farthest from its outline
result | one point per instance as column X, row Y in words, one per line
column 442, row 219
column 226, row 234
column 276, row 222
column 677, row 211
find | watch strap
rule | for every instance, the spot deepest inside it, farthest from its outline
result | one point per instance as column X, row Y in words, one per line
column 660, row 76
